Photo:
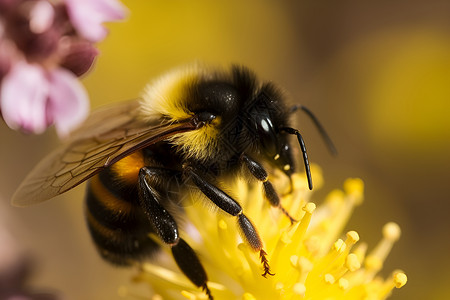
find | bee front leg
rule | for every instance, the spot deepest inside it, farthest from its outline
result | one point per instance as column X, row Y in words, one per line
column 258, row 171
column 167, row 228
column 232, row 207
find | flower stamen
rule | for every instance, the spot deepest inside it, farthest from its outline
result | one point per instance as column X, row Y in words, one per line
column 310, row 259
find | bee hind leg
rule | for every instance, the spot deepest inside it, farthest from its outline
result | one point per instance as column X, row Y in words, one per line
column 167, row 229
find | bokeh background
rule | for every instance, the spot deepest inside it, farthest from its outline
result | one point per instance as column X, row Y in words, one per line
column 377, row 73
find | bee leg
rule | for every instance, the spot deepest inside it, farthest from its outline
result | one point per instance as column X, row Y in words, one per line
column 258, row 171
column 232, row 207
column 167, row 228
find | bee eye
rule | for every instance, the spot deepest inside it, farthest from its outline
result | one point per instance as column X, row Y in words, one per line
column 267, row 135
column 266, row 125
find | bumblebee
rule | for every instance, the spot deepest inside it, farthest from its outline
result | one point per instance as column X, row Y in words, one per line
column 190, row 129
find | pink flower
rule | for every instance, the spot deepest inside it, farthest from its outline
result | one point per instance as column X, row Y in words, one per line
column 33, row 98
column 87, row 16
column 44, row 46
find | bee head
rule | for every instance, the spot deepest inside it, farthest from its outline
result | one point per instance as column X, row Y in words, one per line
column 274, row 144
column 269, row 118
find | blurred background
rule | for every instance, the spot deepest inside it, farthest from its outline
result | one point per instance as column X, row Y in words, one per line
column 376, row 73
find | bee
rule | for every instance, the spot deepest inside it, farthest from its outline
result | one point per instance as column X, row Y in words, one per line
column 190, row 129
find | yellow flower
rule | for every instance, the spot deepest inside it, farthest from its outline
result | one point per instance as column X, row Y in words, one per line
column 311, row 259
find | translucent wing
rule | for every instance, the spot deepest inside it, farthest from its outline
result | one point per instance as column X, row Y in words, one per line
column 106, row 136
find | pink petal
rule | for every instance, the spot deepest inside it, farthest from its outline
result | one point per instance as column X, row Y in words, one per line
column 87, row 16
column 68, row 101
column 79, row 56
column 23, row 98
column 41, row 17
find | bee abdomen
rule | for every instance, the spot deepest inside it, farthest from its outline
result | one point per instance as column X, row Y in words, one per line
column 118, row 227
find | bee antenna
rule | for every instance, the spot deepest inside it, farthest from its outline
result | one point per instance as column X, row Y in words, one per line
column 319, row 127
column 303, row 148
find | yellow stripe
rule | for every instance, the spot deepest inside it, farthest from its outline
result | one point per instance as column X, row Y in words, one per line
column 107, row 199
column 166, row 96
column 127, row 169
column 199, row 144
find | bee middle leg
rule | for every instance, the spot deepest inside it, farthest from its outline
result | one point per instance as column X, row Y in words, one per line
column 232, row 207
column 167, row 228
column 258, row 171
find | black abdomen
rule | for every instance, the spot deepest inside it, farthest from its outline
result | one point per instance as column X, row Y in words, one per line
column 118, row 226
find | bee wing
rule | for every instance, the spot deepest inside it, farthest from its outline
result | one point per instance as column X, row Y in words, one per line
column 108, row 135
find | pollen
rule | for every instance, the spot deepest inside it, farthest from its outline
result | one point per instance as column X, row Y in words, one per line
column 311, row 259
